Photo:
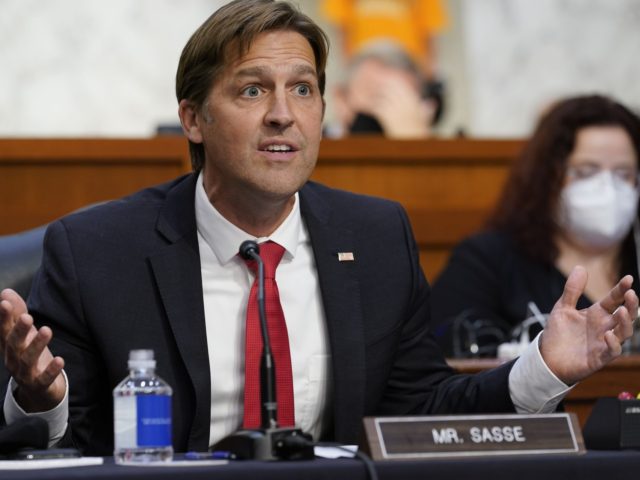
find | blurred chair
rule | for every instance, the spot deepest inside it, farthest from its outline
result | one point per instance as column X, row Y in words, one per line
column 20, row 256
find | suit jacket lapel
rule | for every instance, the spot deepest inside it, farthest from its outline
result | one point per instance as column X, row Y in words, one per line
column 341, row 299
column 177, row 272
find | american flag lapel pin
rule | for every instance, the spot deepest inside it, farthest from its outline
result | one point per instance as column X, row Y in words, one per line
column 346, row 257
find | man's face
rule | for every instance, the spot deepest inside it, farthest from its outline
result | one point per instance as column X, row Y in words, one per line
column 261, row 124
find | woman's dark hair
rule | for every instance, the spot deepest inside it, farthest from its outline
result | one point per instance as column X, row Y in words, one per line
column 230, row 31
column 526, row 209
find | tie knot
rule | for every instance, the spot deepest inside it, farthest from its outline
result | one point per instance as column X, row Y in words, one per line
column 271, row 254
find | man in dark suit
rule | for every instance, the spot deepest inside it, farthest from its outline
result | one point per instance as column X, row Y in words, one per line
column 159, row 270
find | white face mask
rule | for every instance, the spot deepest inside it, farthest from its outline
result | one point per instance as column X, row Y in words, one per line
column 598, row 211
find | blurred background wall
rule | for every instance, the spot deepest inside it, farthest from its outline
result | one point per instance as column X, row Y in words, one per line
column 106, row 67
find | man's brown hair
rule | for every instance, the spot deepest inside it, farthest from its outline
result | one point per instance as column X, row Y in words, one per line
column 233, row 27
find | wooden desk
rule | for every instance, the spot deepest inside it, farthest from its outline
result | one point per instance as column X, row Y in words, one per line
column 621, row 374
column 447, row 186
column 594, row 465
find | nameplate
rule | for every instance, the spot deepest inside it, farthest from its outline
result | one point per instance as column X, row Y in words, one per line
column 404, row 438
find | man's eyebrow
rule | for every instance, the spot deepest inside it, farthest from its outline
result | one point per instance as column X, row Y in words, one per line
column 258, row 71
column 251, row 72
column 305, row 70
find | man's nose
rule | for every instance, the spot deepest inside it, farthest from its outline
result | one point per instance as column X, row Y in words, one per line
column 279, row 111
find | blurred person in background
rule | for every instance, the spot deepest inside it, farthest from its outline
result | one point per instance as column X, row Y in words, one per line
column 571, row 199
column 384, row 86
column 413, row 24
column 384, row 92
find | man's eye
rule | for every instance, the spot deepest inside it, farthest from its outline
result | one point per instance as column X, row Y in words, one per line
column 303, row 90
column 251, row 91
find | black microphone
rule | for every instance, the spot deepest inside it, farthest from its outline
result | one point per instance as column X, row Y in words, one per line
column 269, row 442
column 28, row 432
column 249, row 250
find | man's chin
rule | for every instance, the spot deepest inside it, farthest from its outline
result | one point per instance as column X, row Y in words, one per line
column 279, row 186
column 282, row 195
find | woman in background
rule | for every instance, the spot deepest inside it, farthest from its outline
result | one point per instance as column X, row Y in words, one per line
column 571, row 199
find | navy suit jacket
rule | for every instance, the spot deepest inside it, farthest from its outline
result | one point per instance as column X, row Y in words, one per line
column 126, row 275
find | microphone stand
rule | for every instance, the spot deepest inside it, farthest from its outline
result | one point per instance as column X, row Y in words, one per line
column 269, row 442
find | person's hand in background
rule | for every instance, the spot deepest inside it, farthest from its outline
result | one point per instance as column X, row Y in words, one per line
column 393, row 97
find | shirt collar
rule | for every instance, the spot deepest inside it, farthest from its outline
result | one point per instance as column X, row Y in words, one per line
column 224, row 238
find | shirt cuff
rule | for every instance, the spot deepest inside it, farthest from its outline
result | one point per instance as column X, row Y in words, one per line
column 532, row 386
column 57, row 417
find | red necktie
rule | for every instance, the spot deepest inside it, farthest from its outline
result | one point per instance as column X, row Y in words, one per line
column 271, row 254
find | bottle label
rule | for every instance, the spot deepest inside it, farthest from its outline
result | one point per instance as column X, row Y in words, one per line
column 154, row 420
column 142, row 421
column 125, row 425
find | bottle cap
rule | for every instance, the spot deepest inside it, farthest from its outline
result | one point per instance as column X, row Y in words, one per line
column 141, row 359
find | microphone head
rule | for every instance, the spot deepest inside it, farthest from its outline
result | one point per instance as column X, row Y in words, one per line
column 247, row 248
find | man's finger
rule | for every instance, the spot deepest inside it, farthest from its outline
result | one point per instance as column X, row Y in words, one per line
column 18, row 336
column 48, row 376
column 616, row 295
column 37, row 346
column 631, row 304
column 6, row 321
column 613, row 345
column 11, row 307
column 573, row 287
column 16, row 300
column 624, row 324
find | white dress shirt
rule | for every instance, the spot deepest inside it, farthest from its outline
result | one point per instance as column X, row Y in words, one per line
column 226, row 285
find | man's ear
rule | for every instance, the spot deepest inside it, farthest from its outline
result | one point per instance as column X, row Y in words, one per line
column 191, row 120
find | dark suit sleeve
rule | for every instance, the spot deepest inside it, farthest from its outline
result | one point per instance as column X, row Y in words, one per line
column 55, row 301
column 420, row 381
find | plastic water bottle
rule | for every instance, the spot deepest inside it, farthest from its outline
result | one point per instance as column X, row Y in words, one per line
column 142, row 413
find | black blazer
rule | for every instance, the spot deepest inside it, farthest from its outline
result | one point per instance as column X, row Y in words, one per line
column 490, row 279
column 126, row 275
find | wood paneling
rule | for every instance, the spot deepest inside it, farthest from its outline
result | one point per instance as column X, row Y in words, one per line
column 447, row 186
column 42, row 179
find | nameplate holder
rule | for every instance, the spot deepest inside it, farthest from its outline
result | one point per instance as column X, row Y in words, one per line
column 410, row 438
